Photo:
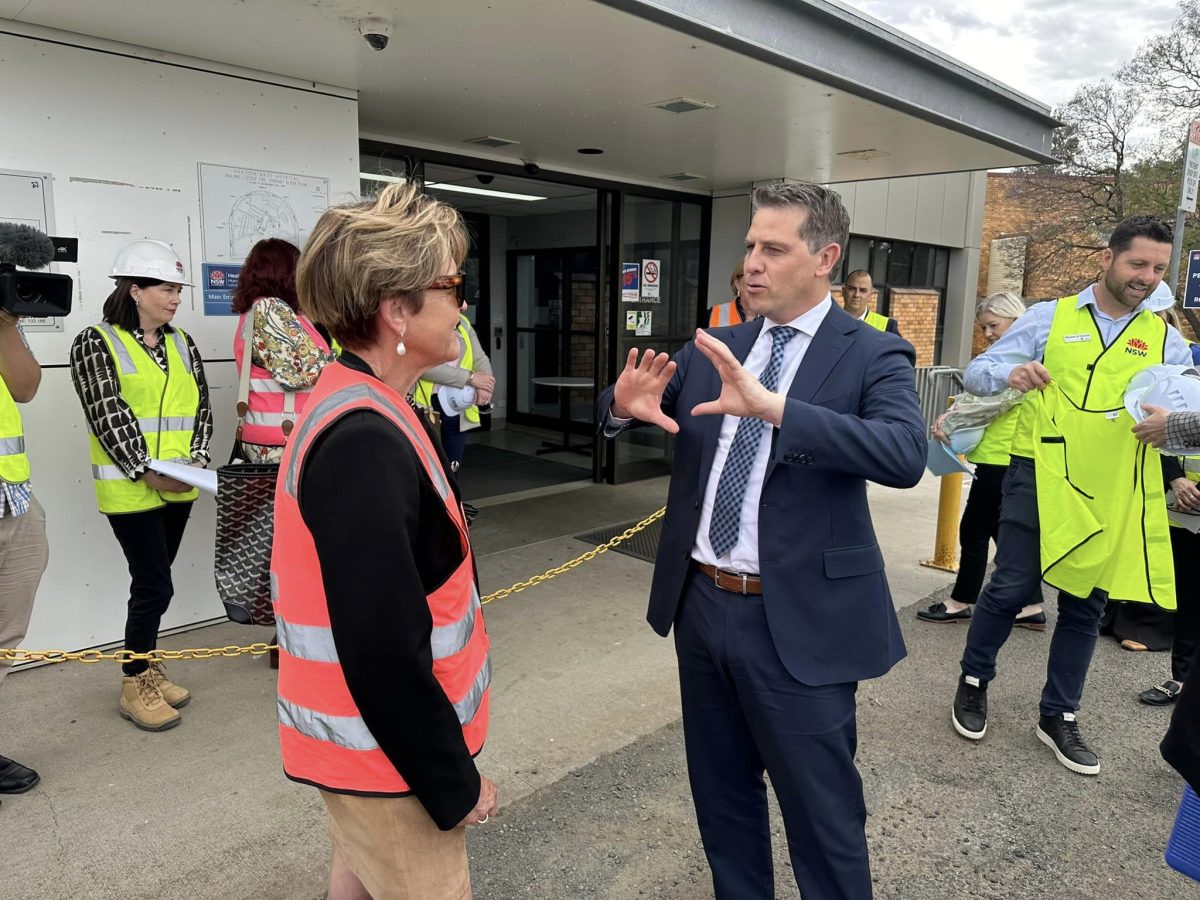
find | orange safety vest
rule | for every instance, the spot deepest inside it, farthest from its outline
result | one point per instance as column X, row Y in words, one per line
column 265, row 402
column 724, row 314
column 323, row 738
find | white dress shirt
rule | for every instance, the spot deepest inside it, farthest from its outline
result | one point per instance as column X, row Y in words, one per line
column 743, row 557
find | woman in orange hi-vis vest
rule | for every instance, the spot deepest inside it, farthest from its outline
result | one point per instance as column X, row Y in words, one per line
column 733, row 312
column 384, row 669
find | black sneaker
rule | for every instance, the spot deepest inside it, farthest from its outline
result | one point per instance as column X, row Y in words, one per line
column 1060, row 733
column 969, row 716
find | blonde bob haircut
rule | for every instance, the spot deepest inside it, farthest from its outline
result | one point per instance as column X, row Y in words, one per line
column 1004, row 305
column 391, row 245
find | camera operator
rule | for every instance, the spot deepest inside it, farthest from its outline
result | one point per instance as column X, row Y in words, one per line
column 23, row 547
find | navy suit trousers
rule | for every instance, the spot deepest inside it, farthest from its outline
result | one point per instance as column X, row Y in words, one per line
column 744, row 714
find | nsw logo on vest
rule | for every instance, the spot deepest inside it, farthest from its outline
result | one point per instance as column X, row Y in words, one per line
column 1137, row 347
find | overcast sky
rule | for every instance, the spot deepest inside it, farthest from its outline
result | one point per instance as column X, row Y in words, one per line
column 1043, row 48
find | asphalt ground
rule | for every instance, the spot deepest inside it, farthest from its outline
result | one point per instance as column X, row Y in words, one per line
column 948, row 818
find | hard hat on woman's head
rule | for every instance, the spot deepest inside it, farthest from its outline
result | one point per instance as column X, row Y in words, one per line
column 150, row 259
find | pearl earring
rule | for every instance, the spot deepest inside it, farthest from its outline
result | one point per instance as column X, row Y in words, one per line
column 401, row 349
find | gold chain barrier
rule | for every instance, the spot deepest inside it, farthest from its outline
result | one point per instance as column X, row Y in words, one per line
column 261, row 649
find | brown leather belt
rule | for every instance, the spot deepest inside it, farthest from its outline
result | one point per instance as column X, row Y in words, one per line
column 735, row 582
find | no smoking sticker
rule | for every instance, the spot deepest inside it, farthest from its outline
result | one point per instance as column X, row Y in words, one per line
column 651, row 269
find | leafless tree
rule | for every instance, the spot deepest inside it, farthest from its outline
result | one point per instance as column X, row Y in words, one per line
column 1166, row 68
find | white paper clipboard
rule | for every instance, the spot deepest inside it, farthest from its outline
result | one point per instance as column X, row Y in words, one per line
column 205, row 479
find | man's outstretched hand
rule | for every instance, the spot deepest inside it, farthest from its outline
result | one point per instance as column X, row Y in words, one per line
column 639, row 389
column 741, row 393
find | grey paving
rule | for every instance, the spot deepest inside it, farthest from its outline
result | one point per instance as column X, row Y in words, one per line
column 585, row 748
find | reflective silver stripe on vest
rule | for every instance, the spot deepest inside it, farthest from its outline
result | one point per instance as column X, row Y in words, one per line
column 274, row 589
column 182, row 347
column 315, row 642
column 266, row 386
column 108, row 473
column 350, row 732
column 311, row 642
column 446, row 640
column 119, row 348
column 469, row 705
column 347, row 396
column 12, row 446
column 155, row 424
column 257, row 417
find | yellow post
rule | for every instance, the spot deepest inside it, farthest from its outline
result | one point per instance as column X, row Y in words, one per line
column 945, row 549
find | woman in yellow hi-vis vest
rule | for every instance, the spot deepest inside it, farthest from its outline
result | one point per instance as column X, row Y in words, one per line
column 981, row 516
column 1082, row 505
column 144, row 395
column 472, row 369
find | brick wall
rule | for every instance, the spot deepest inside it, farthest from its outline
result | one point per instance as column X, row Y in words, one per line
column 915, row 310
column 1013, row 206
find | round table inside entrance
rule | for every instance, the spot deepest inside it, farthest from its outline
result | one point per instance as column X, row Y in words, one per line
column 567, row 383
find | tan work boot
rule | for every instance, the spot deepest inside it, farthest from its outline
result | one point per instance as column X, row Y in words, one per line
column 175, row 695
column 142, row 703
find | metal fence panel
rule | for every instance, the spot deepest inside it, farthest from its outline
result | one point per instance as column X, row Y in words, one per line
column 935, row 386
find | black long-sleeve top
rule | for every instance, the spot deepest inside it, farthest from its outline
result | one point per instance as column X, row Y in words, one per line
column 385, row 541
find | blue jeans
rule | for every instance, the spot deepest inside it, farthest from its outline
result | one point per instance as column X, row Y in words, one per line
column 1018, row 574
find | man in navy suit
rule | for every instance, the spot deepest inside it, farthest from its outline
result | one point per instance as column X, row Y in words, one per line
column 768, row 567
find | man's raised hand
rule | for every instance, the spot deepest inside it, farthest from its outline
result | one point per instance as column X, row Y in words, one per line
column 639, row 389
column 741, row 393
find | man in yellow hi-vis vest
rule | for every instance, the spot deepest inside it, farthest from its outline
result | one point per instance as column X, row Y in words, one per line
column 1083, row 502
column 856, row 300
column 23, row 546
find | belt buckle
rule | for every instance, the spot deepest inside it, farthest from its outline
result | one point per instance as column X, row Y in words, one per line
column 745, row 585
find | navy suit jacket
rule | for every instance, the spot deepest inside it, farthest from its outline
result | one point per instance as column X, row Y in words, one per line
column 851, row 416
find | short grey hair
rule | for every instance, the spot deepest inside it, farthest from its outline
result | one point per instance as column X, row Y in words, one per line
column 826, row 222
column 1005, row 305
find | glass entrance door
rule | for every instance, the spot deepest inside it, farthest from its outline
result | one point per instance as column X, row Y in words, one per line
column 660, row 272
column 553, row 308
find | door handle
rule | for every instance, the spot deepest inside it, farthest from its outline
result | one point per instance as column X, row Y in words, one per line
column 498, row 336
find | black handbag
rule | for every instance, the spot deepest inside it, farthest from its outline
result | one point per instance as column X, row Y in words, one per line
column 245, row 529
column 246, row 515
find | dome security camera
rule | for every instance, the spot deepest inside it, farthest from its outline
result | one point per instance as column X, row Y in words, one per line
column 530, row 167
column 485, row 179
column 376, row 32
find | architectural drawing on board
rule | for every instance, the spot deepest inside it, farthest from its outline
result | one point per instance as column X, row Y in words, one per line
column 239, row 207
column 260, row 215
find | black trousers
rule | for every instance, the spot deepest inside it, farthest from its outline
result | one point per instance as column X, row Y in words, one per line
column 150, row 541
column 744, row 714
column 1184, row 548
column 1018, row 573
column 978, row 527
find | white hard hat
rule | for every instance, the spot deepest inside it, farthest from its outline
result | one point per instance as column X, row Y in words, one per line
column 150, row 259
column 1153, row 379
column 1162, row 297
column 454, row 400
column 964, row 440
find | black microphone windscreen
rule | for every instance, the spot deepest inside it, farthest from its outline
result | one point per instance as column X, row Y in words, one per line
column 25, row 246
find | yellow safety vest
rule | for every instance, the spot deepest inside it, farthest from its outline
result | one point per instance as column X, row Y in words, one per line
column 1101, row 505
column 995, row 448
column 14, row 464
column 875, row 320
column 1191, row 471
column 424, row 391
column 165, row 405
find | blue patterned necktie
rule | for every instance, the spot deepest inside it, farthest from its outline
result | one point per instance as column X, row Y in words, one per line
column 731, row 489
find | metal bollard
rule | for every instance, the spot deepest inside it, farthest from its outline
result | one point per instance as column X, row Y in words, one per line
column 945, row 548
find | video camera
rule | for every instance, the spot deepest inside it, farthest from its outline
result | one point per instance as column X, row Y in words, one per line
column 25, row 293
